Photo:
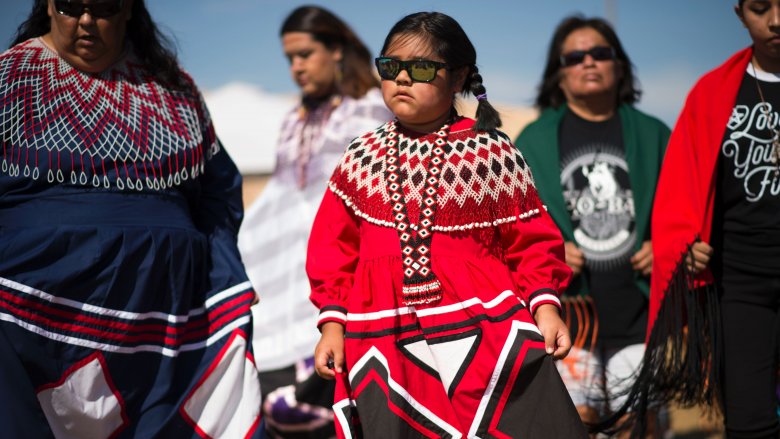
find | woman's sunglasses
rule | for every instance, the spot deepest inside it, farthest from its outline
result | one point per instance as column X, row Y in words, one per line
column 420, row 70
column 598, row 53
column 97, row 9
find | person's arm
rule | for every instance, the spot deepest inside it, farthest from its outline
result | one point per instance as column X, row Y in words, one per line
column 677, row 215
column 642, row 260
column 575, row 259
column 216, row 203
column 217, row 211
column 534, row 252
column 698, row 258
column 332, row 257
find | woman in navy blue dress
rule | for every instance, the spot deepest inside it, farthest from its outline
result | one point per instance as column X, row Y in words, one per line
column 124, row 306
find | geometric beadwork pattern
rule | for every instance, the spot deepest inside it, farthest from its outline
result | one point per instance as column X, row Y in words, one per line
column 484, row 180
column 420, row 283
column 116, row 129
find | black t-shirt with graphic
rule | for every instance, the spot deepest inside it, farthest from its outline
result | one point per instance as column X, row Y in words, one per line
column 597, row 191
column 747, row 218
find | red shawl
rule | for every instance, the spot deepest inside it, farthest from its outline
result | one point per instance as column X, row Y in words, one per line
column 682, row 359
column 684, row 198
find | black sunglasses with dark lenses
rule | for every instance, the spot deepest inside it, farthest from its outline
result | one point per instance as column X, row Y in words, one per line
column 419, row 70
column 598, row 53
column 97, row 9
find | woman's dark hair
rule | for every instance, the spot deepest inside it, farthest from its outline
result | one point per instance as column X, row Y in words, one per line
column 449, row 42
column 155, row 51
column 551, row 95
column 357, row 76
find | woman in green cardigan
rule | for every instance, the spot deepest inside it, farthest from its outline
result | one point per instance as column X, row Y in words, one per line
column 596, row 161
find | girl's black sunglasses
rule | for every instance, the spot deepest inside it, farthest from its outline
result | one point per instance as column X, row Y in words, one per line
column 419, row 70
column 97, row 9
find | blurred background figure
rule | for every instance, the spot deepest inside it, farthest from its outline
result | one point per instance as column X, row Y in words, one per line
column 596, row 160
column 125, row 306
column 339, row 101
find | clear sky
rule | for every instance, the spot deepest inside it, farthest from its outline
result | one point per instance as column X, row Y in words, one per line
column 671, row 42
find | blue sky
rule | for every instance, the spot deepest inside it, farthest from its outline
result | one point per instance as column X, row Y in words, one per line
column 671, row 42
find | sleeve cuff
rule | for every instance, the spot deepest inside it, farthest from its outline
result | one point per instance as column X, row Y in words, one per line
column 332, row 314
column 544, row 296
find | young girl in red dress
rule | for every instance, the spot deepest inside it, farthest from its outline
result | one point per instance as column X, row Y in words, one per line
column 435, row 266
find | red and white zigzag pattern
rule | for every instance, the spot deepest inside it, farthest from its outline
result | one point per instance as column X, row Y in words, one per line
column 120, row 128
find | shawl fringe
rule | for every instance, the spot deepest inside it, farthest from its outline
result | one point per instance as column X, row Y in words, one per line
column 682, row 358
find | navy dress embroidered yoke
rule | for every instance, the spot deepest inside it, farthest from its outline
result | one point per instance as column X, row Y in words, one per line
column 124, row 306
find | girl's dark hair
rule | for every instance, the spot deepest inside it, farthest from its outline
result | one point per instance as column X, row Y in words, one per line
column 155, row 51
column 551, row 95
column 357, row 75
column 449, row 42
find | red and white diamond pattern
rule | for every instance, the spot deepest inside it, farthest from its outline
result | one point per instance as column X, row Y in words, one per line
column 476, row 167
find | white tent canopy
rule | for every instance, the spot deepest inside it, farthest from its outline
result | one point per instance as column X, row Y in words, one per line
column 247, row 120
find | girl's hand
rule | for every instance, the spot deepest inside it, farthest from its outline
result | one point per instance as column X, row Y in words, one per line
column 556, row 335
column 330, row 347
column 701, row 252
column 642, row 260
column 574, row 257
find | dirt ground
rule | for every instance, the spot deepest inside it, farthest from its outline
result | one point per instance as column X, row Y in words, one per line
column 694, row 424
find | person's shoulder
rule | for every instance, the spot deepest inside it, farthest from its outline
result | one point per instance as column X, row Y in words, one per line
column 463, row 130
column 26, row 48
column 548, row 119
column 372, row 97
column 539, row 132
column 714, row 78
column 188, row 83
column 368, row 138
column 463, row 126
column 370, row 105
column 646, row 119
column 22, row 61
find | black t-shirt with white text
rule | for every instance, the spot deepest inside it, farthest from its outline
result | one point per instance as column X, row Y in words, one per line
column 746, row 230
column 597, row 191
